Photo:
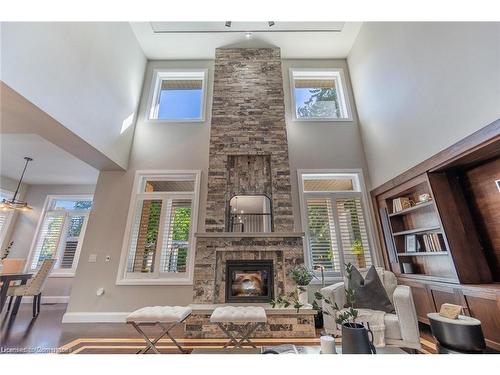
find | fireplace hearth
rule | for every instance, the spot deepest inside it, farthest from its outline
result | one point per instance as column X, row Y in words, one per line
column 249, row 281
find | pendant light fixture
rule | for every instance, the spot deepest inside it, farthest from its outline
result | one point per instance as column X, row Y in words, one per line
column 14, row 203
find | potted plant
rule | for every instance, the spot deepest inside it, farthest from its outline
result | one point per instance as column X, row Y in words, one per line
column 356, row 338
column 302, row 277
column 287, row 300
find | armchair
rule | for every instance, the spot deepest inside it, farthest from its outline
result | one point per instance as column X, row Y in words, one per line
column 401, row 328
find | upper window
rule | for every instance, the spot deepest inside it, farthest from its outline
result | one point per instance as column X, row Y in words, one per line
column 319, row 95
column 60, row 233
column 159, row 240
column 335, row 221
column 178, row 96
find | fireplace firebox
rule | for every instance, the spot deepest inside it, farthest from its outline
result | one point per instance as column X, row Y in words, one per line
column 249, row 281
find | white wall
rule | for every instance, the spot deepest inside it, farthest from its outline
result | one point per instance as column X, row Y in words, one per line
column 88, row 76
column 320, row 144
column 420, row 87
column 24, row 228
column 186, row 146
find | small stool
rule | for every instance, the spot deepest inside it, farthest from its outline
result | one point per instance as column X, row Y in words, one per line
column 158, row 315
column 462, row 335
column 243, row 320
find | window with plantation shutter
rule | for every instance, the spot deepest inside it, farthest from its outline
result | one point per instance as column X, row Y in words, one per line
column 334, row 220
column 158, row 244
column 178, row 95
column 60, row 233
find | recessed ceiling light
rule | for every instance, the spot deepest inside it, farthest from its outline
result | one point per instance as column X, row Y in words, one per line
column 248, row 35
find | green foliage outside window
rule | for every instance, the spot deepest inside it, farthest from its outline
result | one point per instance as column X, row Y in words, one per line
column 323, row 103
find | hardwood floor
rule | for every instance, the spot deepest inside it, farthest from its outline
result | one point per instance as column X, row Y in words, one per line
column 48, row 334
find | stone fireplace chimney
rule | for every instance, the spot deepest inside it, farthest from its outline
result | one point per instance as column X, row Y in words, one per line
column 248, row 135
column 248, row 156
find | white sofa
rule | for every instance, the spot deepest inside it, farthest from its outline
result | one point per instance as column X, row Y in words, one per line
column 401, row 328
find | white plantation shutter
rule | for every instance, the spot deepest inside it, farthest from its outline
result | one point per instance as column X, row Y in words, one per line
column 323, row 246
column 353, row 234
column 175, row 245
column 72, row 233
column 144, row 236
column 48, row 237
column 3, row 222
column 336, row 232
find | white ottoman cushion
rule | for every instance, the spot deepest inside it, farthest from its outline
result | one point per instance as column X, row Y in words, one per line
column 159, row 314
column 238, row 314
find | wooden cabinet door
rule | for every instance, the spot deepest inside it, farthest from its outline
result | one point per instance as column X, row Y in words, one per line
column 486, row 308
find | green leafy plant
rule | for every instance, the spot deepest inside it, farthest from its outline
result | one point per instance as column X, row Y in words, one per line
column 286, row 300
column 6, row 251
column 350, row 314
column 357, row 248
column 301, row 275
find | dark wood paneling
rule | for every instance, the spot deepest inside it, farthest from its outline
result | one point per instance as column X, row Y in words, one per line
column 443, row 294
column 484, row 200
column 466, row 250
column 488, row 312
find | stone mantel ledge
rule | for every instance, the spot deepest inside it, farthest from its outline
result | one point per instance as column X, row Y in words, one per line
column 249, row 235
column 207, row 308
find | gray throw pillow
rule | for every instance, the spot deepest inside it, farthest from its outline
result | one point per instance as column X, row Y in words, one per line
column 369, row 293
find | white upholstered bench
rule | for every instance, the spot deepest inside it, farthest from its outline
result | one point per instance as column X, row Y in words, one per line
column 243, row 320
column 160, row 316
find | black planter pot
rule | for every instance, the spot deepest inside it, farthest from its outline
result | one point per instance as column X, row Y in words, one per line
column 318, row 320
column 356, row 339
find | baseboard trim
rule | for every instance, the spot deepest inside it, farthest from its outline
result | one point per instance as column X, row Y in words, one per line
column 95, row 317
column 47, row 299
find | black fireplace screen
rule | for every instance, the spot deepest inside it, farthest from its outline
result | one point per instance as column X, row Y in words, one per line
column 249, row 280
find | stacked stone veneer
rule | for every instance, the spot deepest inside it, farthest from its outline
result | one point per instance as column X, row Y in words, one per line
column 248, row 118
column 213, row 252
column 288, row 325
column 248, row 155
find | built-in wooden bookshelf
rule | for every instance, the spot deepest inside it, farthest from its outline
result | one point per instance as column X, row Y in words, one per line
column 463, row 210
column 418, row 242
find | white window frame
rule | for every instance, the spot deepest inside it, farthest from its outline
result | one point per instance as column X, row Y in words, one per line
column 156, row 277
column 358, row 183
column 342, row 93
column 154, row 92
column 58, row 272
column 5, row 230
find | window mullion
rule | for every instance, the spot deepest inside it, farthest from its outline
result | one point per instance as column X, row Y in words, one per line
column 159, row 240
column 340, row 248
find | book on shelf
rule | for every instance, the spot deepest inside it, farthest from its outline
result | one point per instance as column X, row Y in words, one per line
column 432, row 242
column 400, row 204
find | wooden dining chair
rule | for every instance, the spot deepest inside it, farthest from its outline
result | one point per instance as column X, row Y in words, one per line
column 33, row 288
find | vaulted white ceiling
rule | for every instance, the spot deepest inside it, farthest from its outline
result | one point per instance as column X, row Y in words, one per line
column 198, row 40
column 50, row 165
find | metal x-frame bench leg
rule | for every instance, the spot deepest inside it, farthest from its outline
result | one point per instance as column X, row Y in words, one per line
column 244, row 331
column 165, row 331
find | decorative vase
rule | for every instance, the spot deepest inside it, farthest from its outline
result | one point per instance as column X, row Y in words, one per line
column 356, row 339
column 318, row 320
column 302, row 294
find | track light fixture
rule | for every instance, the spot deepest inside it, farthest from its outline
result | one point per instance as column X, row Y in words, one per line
column 228, row 24
column 271, row 23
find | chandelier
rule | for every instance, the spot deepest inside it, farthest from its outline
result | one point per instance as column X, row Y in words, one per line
column 14, row 203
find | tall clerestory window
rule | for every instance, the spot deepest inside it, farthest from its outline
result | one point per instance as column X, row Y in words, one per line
column 319, row 95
